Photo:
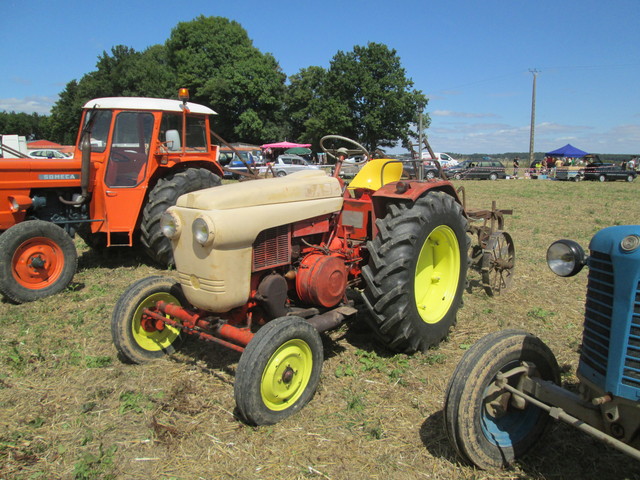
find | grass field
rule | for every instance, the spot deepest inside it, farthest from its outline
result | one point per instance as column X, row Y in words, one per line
column 70, row 409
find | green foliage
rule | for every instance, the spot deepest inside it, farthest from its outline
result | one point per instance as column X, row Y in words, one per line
column 355, row 401
column 215, row 58
column 344, row 371
column 373, row 86
column 133, row 402
column 99, row 361
column 364, row 94
column 30, row 125
column 432, row 358
column 539, row 313
column 93, row 466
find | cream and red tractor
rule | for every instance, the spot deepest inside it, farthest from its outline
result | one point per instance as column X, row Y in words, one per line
column 264, row 266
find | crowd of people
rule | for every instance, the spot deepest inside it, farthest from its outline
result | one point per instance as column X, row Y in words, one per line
column 549, row 165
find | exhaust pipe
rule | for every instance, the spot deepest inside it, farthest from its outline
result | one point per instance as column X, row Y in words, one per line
column 331, row 319
column 85, row 166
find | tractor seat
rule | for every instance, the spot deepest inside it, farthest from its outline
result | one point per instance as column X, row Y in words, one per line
column 377, row 173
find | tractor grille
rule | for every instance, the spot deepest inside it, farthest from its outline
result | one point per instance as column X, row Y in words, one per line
column 597, row 319
column 631, row 372
column 272, row 248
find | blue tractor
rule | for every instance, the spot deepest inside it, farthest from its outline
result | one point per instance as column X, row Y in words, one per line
column 506, row 388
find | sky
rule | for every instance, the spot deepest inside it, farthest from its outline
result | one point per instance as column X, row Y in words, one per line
column 474, row 59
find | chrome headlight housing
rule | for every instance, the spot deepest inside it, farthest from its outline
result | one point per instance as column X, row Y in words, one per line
column 203, row 230
column 630, row 243
column 566, row 258
column 170, row 225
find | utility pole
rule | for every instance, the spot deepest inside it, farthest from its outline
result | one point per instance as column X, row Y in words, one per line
column 533, row 116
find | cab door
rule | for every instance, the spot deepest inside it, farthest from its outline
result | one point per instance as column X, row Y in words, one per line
column 125, row 182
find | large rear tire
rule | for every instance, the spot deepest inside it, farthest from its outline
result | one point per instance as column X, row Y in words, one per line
column 37, row 259
column 164, row 195
column 482, row 425
column 417, row 272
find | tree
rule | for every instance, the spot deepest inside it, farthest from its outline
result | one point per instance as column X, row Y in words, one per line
column 215, row 58
column 30, row 125
column 123, row 73
column 65, row 115
column 372, row 83
column 303, row 101
column 364, row 95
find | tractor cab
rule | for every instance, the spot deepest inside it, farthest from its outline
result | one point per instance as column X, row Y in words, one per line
column 134, row 142
column 134, row 157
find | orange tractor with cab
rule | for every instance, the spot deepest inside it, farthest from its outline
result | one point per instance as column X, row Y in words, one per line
column 134, row 157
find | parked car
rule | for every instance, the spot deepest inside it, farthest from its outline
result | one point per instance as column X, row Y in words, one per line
column 48, row 154
column 596, row 169
column 230, row 160
column 430, row 169
column 286, row 164
column 485, row 169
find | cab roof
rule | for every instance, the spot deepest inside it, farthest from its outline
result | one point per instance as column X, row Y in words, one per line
column 143, row 103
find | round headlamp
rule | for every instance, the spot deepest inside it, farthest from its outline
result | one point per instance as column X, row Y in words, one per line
column 203, row 231
column 566, row 258
column 170, row 225
column 630, row 243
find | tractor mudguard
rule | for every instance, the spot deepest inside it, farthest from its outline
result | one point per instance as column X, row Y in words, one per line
column 409, row 191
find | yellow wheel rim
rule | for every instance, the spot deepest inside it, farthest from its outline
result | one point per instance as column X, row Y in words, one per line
column 155, row 340
column 286, row 375
column 437, row 274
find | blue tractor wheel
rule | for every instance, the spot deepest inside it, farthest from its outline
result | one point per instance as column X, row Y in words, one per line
column 481, row 421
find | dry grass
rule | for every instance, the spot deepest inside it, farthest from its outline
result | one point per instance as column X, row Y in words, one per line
column 70, row 409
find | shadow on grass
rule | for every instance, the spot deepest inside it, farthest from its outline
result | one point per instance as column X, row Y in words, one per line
column 563, row 452
column 112, row 257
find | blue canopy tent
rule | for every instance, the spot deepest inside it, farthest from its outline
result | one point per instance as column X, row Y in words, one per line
column 567, row 151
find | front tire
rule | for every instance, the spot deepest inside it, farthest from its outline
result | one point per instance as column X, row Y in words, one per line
column 278, row 371
column 137, row 337
column 484, row 428
column 602, row 178
column 37, row 259
column 164, row 195
column 630, row 178
column 493, row 176
column 417, row 272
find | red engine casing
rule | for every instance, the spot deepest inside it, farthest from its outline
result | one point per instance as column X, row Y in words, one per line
column 321, row 280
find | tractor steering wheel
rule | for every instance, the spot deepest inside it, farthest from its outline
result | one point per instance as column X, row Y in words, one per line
column 333, row 152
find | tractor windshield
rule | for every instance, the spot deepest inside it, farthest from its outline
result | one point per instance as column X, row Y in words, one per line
column 101, row 120
column 171, row 132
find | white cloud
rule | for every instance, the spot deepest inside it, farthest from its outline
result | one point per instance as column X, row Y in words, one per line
column 34, row 104
column 449, row 113
column 470, row 137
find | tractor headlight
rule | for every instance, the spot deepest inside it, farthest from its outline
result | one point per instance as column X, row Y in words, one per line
column 566, row 258
column 203, row 230
column 630, row 243
column 170, row 225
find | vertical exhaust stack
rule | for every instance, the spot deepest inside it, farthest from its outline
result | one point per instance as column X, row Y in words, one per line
column 85, row 166
column 85, row 146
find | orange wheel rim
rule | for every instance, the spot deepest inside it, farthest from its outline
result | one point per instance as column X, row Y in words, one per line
column 37, row 263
